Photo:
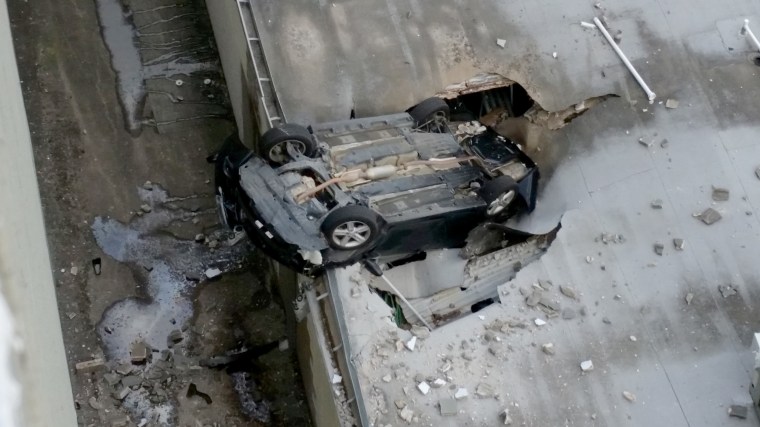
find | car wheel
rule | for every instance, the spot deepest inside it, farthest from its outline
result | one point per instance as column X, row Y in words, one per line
column 351, row 227
column 274, row 143
column 431, row 115
column 499, row 195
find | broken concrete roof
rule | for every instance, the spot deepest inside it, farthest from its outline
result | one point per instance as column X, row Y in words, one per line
column 689, row 362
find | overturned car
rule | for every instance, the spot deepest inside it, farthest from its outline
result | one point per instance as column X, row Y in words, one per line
column 389, row 186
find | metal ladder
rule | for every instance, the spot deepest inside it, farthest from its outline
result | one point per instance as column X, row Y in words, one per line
column 265, row 91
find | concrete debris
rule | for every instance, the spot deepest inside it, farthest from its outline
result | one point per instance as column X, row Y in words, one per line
column 679, row 244
column 533, row 298
column 606, row 320
column 709, row 216
column 112, row 378
column 629, row 396
column 423, row 387
column 192, row 390
column 689, row 297
column 448, row 407
column 611, row 238
column 411, row 343
column 96, row 265
column 468, row 355
column 148, row 186
column 406, row 414
column 461, row 393
column 656, row 204
column 568, row 314
column 94, row 404
column 507, row 418
column 283, row 345
column 501, row 43
column 200, row 237
column 400, row 404
column 336, row 379
column 664, row 143
column 90, row 365
column 568, row 292
column 421, row 332
column 212, row 273
column 174, row 337
column 671, row 103
column 539, row 322
column 727, row 290
column 122, row 393
column 738, row 411
column 131, row 381
column 720, row 194
column 124, row 369
column 587, row 365
column 659, row 248
column 644, row 142
column 74, row 271
column 548, row 303
column 139, row 353
column 554, row 55
column 386, row 378
column 121, row 421
column 484, row 390
column 589, row 259
column 146, row 208
column 633, row 338
column 438, row 383
column 548, row 348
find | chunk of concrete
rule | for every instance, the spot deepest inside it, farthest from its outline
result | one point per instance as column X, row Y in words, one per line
column 533, row 298
column 411, row 343
column 146, row 208
column 568, row 292
column 406, row 414
column 122, row 393
column 671, row 103
column 90, row 365
column 659, row 248
column 212, row 273
column 461, row 393
column 539, row 322
column 709, row 216
column 112, row 378
column 139, row 353
column 421, row 332
column 501, row 43
column 629, row 396
column 720, row 194
column 548, row 348
column 587, row 365
column 656, row 204
column 738, row 411
column 689, row 297
column 484, row 390
column 174, row 337
column 423, row 387
column 727, row 290
column 448, row 407
column 679, row 244
column 131, row 381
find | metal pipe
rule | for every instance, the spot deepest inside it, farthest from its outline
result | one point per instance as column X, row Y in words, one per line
column 398, row 293
column 748, row 32
column 651, row 95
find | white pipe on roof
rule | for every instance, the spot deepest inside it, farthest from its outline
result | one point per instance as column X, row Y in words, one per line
column 651, row 95
column 748, row 32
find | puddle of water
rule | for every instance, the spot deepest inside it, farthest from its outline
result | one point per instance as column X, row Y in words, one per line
column 143, row 244
column 120, row 37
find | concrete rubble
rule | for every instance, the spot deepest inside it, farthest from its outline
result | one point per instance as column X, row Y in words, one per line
column 720, row 194
column 587, row 365
column 709, row 216
column 629, row 396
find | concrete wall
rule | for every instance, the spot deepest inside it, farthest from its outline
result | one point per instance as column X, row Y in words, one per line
column 233, row 51
column 27, row 281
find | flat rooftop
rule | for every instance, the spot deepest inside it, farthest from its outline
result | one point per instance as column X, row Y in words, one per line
column 685, row 364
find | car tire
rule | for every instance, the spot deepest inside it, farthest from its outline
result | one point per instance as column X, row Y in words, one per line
column 228, row 159
column 351, row 227
column 500, row 195
column 274, row 141
column 431, row 115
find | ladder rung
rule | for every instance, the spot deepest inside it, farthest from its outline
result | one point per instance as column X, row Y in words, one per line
column 264, row 79
column 253, row 39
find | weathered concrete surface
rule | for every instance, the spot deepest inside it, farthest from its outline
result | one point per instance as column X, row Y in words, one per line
column 27, row 283
column 688, row 362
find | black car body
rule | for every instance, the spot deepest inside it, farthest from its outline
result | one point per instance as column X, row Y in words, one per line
column 340, row 192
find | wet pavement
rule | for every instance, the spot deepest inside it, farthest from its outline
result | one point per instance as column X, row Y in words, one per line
column 106, row 115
